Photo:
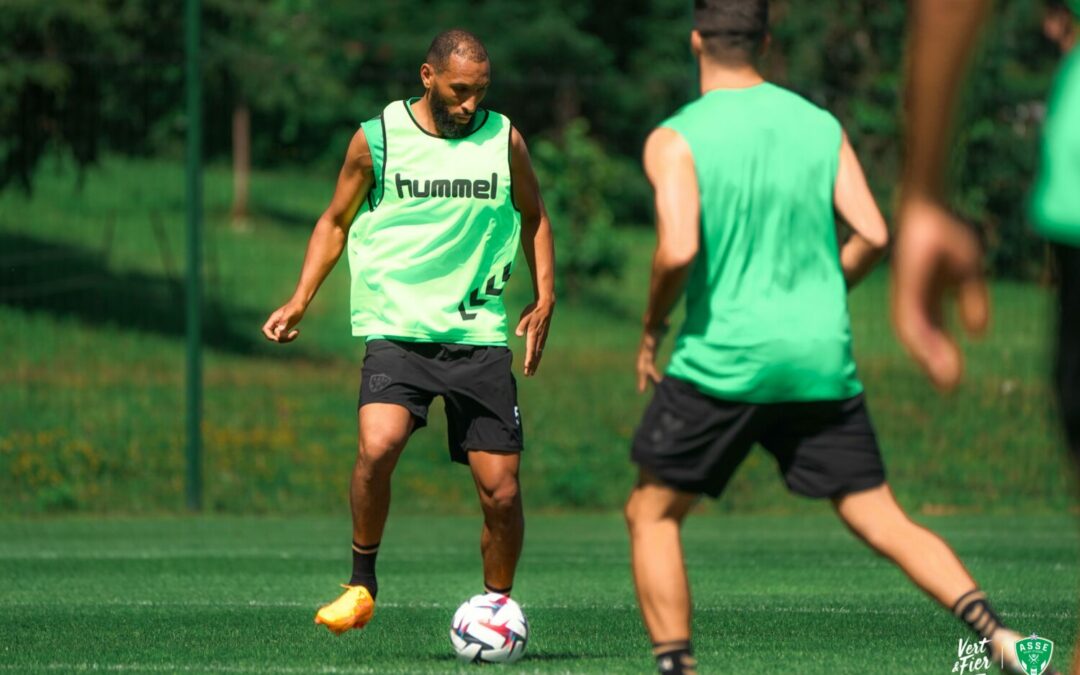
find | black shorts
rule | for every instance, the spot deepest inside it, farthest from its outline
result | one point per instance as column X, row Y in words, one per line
column 694, row 442
column 1067, row 368
column 475, row 382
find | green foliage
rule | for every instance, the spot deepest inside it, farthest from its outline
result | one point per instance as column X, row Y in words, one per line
column 275, row 59
column 48, row 91
column 580, row 182
column 998, row 135
column 84, row 76
column 847, row 57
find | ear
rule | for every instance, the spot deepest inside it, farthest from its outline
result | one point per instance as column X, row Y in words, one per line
column 427, row 75
column 697, row 45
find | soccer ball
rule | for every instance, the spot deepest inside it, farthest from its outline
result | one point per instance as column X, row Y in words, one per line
column 489, row 628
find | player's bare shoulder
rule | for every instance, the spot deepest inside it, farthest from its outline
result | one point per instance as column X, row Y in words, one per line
column 359, row 156
column 664, row 147
column 519, row 149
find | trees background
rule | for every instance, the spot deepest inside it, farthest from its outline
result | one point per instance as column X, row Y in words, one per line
column 288, row 81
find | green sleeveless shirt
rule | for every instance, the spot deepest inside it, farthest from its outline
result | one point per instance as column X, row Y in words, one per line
column 766, row 301
column 432, row 248
column 1055, row 203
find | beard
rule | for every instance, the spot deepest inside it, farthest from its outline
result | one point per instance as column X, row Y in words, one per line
column 445, row 123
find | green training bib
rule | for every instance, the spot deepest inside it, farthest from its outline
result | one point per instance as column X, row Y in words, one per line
column 433, row 246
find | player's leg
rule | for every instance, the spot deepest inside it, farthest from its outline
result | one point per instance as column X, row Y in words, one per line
column 830, row 449
column 395, row 393
column 876, row 518
column 384, row 430
column 484, row 431
column 688, row 444
column 1067, row 366
column 654, row 516
column 496, row 478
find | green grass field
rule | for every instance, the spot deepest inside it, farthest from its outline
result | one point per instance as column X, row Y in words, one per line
column 773, row 594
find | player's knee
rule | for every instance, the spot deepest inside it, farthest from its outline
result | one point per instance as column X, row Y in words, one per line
column 378, row 451
column 503, row 497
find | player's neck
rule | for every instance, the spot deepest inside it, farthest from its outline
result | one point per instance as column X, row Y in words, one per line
column 421, row 110
column 728, row 76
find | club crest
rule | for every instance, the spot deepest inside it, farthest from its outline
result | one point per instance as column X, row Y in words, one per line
column 1034, row 654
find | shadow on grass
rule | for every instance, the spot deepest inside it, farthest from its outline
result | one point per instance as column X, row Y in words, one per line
column 67, row 280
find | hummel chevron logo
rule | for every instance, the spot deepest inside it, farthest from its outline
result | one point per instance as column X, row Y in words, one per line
column 474, row 300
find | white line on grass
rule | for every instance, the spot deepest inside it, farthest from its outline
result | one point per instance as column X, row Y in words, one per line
column 761, row 608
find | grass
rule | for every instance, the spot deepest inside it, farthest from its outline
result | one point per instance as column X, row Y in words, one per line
column 772, row 594
column 91, row 379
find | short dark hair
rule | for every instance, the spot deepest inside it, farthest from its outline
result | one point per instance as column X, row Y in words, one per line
column 731, row 26
column 455, row 41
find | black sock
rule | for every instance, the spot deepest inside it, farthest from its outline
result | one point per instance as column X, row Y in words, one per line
column 675, row 658
column 488, row 588
column 363, row 567
column 973, row 609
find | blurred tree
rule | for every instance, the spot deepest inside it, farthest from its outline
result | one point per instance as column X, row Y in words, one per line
column 47, row 90
column 288, row 82
column 270, row 57
column 579, row 183
column 997, row 149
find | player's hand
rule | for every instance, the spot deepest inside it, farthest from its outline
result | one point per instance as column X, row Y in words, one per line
column 281, row 326
column 936, row 255
column 533, row 325
column 646, row 358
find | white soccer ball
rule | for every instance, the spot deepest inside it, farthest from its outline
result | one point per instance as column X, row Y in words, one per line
column 489, row 628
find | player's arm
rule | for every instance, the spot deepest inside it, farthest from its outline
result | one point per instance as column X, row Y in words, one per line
column 327, row 239
column 669, row 166
column 942, row 36
column 935, row 255
column 855, row 204
column 539, row 248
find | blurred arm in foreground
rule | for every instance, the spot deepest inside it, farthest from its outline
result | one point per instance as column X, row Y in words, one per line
column 935, row 254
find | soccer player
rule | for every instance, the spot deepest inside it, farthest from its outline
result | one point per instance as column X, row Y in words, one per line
column 433, row 198
column 935, row 254
column 1055, row 208
column 746, row 180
